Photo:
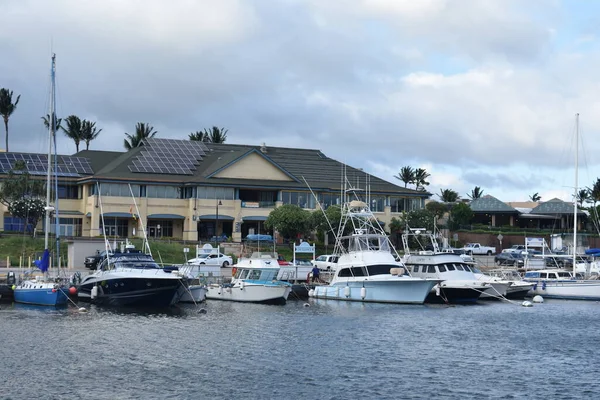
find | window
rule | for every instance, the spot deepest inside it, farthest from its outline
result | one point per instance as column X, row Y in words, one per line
column 450, row 267
column 459, row 267
column 431, row 269
column 359, row 271
column 211, row 192
column 160, row 228
column 118, row 189
column 380, row 269
column 377, row 203
column 329, row 200
column 416, row 268
column 188, row 192
column 114, row 226
column 442, row 268
column 68, row 192
column 67, row 226
column 244, row 274
column 254, row 274
column 301, row 199
column 163, row 192
column 345, row 272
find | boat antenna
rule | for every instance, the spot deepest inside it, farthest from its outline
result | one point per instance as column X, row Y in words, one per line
column 137, row 210
column 575, row 197
column 107, row 247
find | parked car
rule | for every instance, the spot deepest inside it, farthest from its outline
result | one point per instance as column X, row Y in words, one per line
column 326, row 261
column 212, row 259
column 91, row 262
column 512, row 259
column 281, row 260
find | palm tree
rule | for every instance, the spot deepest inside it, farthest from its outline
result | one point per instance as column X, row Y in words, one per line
column 448, row 195
column 56, row 120
column 406, row 175
column 420, row 179
column 73, row 129
column 476, row 193
column 7, row 107
column 535, row 197
column 197, row 136
column 215, row 135
column 583, row 196
column 595, row 192
column 89, row 132
column 142, row 131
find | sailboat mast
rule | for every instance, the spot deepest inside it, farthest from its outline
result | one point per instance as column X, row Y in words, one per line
column 575, row 197
column 50, row 137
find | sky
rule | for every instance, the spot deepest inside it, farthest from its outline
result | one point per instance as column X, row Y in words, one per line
column 479, row 93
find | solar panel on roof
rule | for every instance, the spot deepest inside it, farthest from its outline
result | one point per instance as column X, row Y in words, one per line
column 169, row 156
column 37, row 164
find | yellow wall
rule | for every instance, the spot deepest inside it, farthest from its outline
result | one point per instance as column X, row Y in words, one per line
column 253, row 167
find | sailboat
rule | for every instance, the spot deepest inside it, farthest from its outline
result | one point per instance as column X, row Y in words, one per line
column 45, row 290
column 561, row 283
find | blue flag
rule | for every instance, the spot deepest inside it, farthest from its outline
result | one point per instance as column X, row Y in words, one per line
column 44, row 262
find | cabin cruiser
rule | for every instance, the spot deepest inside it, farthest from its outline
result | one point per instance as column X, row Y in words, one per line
column 254, row 281
column 368, row 269
column 131, row 278
column 458, row 282
column 562, row 284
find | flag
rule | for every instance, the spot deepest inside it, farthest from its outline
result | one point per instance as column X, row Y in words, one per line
column 44, row 262
column 131, row 212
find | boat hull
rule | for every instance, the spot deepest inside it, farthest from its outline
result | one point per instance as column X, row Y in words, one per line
column 454, row 295
column 192, row 294
column 250, row 293
column 131, row 292
column 496, row 291
column 568, row 290
column 387, row 291
column 41, row 295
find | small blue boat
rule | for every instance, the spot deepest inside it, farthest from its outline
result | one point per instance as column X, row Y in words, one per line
column 41, row 291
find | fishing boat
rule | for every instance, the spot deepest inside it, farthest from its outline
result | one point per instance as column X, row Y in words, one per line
column 562, row 283
column 45, row 290
column 255, row 281
column 368, row 269
column 458, row 284
column 518, row 289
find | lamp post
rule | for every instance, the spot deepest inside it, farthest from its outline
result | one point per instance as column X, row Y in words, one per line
column 217, row 224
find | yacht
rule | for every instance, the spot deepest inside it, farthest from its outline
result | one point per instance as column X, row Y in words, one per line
column 368, row 269
column 254, row 281
column 562, row 284
column 131, row 278
column 458, row 282
column 518, row 289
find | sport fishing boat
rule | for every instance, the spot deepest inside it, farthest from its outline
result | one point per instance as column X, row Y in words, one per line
column 518, row 288
column 457, row 284
column 131, row 278
column 254, row 281
column 368, row 269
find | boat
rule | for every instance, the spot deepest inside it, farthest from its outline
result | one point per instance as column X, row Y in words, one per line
column 368, row 268
column 562, row 283
column 458, row 282
column 45, row 290
column 518, row 289
column 254, row 281
column 131, row 278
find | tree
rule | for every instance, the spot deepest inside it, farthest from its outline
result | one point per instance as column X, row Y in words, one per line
column 30, row 209
column 215, row 135
column 461, row 214
column 437, row 209
column 476, row 193
column 289, row 220
column 420, row 179
column 7, row 107
column 89, row 132
column 73, row 129
column 583, row 196
column 421, row 218
column 142, row 131
column 46, row 120
column 535, row 197
column 406, row 175
column 595, row 192
column 197, row 136
column 448, row 195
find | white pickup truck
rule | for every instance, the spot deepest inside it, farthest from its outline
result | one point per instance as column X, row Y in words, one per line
column 476, row 248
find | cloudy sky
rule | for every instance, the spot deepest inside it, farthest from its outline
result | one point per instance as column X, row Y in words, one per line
column 479, row 93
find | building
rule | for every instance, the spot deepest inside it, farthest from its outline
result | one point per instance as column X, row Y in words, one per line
column 197, row 191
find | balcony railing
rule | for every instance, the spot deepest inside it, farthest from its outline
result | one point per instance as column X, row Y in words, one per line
column 258, row 204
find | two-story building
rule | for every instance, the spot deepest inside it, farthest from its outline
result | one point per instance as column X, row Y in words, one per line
column 194, row 191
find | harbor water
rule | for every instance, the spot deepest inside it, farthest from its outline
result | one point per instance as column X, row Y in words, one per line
column 319, row 349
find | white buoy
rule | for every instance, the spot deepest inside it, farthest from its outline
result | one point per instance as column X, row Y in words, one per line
column 242, row 285
column 306, row 305
column 202, row 311
column 347, row 291
column 363, row 293
column 82, row 309
column 94, row 293
column 312, row 293
column 538, row 299
column 527, row 304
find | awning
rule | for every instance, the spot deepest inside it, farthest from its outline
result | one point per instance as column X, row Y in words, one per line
column 166, row 216
column 69, row 212
column 254, row 218
column 213, row 216
column 120, row 215
column 89, row 215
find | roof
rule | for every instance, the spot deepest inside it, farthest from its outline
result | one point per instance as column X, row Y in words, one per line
column 555, row 206
column 489, row 203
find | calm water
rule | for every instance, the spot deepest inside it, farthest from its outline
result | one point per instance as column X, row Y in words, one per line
column 330, row 350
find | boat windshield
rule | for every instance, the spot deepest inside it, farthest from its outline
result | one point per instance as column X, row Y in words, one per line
column 258, row 274
column 139, row 260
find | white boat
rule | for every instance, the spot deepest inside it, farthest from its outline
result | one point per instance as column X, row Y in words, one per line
column 45, row 290
column 193, row 294
column 518, row 288
column 458, row 282
column 255, row 281
column 561, row 283
column 368, row 269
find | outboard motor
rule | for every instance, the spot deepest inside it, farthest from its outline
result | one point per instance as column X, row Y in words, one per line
column 11, row 279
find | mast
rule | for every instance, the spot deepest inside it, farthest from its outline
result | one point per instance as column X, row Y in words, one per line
column 49, row 166
column 575, row 197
